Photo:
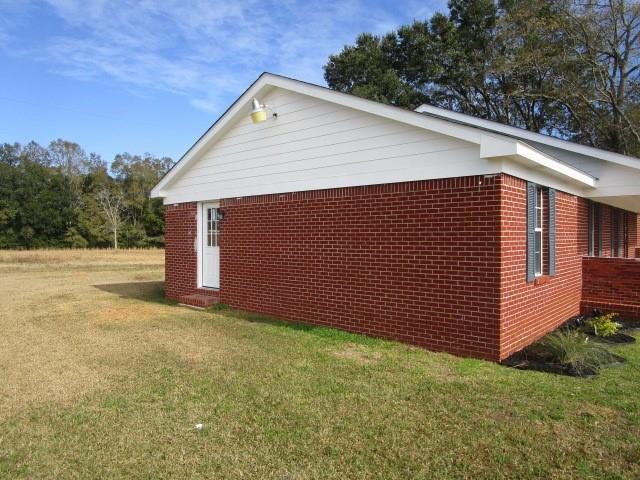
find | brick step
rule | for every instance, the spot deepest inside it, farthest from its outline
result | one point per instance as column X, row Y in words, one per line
column 199, row 300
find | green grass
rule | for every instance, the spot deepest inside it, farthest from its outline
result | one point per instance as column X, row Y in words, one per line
column 277, row 400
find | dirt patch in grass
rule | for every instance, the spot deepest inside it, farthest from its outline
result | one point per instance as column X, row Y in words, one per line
column 359, row 354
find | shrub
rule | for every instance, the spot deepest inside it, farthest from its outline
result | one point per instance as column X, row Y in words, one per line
column 604, row 325
column 573, row 350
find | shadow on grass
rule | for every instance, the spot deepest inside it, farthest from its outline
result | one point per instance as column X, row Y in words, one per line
column 146, row 291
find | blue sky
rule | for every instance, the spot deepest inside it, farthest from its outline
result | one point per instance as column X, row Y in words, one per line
column 151, row 76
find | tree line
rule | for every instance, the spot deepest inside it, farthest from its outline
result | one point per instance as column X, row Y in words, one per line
column 60, row 196
column 569, row 68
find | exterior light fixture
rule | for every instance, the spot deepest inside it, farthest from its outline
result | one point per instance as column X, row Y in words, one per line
column 219, row 215
column 259, row 112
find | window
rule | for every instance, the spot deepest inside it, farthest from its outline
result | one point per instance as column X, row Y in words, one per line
column 623, row 235
column 212, row 227
column 541, row 231
column 538, row 235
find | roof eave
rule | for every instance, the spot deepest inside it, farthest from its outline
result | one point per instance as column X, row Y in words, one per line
column 527, row 135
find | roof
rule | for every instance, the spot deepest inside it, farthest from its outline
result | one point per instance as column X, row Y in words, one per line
column 496, row 141
column 520, row 133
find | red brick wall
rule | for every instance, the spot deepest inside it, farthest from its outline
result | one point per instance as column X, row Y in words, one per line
column 181, row 259
column 531, row 309
column 416, row 261
column 611, row 285
column 421, row 262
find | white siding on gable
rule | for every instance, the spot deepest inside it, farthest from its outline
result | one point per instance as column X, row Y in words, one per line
column 314, row 144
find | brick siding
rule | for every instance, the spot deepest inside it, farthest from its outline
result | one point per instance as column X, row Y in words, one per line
column 416, row 261
column 611, row 285
column 531, row 309
column 421, row 262
column 180, row 257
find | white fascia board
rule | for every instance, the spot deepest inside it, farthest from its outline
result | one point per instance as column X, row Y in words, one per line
column 551, row 163
column 493, row 146
column 625, row 160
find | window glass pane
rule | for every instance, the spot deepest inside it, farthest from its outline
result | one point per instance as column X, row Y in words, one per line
column 538, row 252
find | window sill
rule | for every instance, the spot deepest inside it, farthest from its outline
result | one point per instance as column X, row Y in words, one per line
column 542, row 279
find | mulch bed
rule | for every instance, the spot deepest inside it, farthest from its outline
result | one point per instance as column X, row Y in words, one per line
column 530, row 359
column 526, row 360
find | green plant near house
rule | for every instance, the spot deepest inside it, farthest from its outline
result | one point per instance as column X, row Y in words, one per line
column 604, row 325
column 572, row 349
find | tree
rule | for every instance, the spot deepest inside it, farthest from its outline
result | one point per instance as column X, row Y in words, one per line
column 68, row 156
column 46, row 205
column 112, row 203
column 602, row 91
column 562, row 67
column 137, row 175
column 62, row 197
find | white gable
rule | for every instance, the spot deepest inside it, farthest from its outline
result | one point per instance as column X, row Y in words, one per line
column 325, row 139
column 314, row 144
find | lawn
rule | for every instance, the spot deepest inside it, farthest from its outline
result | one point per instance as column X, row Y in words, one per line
column 102, row 378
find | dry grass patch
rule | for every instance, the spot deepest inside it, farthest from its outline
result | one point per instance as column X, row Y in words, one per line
column 360, row 354
column 16, row 260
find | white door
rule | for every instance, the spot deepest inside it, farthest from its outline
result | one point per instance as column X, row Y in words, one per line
column 210, row 248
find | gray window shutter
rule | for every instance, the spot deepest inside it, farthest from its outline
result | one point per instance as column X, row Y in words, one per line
column 552, row 232
column 591, row 247
column 531, row 223
column 599, row 220
column 590, row 239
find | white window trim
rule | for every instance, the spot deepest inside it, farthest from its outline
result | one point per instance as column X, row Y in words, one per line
column 539, row 196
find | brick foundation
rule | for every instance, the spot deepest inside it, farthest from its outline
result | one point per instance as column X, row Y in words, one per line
column 439, row 263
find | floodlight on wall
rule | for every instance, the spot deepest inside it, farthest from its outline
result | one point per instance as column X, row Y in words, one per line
column 259, row 112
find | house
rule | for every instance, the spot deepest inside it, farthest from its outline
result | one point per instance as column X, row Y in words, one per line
column 430, row 227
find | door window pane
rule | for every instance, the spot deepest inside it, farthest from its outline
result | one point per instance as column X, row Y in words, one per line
column 212, row 227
